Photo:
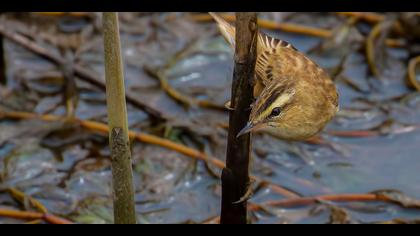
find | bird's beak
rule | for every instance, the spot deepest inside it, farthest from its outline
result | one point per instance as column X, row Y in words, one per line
column 248, row 128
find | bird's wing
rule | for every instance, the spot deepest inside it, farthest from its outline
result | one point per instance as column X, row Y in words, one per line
column 270, row 52
column 227, row 30
column 268, row 49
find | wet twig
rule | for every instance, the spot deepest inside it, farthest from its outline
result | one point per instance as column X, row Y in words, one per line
column 81, row 72
column 373, row 18
column 305, row 201
column 412, row 78
column 366, row 16
column 22, row 198
column 161, row 75
column 178, row 96
column 235, row 176
column 30, row 215
column 371, row 43
column 380, row 196
column 122, row 173
column 173, row 93
column 302, row 201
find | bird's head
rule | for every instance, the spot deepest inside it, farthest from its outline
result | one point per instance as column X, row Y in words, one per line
column 271, row 107
column 294, row 108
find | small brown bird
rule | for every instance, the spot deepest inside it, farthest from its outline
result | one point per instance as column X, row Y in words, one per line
column 295, row 98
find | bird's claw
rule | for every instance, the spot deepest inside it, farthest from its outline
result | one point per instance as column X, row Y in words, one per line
column 248, row 194
column 228, row 107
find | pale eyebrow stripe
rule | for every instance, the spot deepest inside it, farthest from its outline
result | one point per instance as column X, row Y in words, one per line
column 277, row 91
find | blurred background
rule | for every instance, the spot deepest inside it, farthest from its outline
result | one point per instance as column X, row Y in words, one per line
column 55, row 158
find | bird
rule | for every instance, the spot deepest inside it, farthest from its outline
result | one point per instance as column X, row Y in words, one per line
column 294, row 97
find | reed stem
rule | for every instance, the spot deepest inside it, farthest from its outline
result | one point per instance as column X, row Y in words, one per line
column 122, row 173
column 235, row 177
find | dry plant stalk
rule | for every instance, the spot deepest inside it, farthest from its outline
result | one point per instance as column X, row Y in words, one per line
column 31, row 215
column 412, row 72
column 122, row 173
column 235, row 177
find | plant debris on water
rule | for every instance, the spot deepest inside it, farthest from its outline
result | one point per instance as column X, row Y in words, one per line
column 54, row 154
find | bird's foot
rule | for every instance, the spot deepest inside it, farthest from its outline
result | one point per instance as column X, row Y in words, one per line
column 228, row 107
column 248, row 194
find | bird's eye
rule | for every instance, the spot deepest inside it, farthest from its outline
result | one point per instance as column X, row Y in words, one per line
column 275, row 112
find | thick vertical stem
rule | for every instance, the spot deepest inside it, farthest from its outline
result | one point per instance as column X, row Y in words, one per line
column 3, row 78
column 122, row 173
column 235, row 177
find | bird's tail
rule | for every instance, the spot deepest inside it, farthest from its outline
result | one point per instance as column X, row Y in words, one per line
column 228, row 30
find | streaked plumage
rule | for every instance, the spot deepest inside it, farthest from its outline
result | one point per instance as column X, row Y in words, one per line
column 287, row 83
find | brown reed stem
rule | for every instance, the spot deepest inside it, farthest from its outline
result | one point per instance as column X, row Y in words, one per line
column 235, row 177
